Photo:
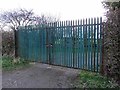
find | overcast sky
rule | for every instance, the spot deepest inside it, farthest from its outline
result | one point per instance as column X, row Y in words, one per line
column 64, row 9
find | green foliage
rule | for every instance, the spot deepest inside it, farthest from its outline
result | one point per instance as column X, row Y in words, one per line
column 94, row 80
column 9, row 64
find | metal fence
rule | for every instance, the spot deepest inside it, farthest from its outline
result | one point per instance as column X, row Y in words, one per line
column 76, row 44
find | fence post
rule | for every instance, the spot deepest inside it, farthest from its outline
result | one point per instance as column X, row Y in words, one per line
column 102, row 69
column 16, row 43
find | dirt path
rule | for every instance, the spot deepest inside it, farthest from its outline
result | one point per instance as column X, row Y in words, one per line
column 39, row 76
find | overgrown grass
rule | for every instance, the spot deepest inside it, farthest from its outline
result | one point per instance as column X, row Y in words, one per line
column 94, row 80
column 9, row 64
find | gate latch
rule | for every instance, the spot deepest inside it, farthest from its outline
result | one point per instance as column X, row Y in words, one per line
column 49, row 45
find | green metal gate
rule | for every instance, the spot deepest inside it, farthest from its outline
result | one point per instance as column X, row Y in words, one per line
column 75, row 44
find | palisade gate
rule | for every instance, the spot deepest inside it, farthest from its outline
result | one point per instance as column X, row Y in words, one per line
column 75, row 44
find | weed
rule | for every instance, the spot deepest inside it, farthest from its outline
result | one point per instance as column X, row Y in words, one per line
column 94, row 80
column 8, row 63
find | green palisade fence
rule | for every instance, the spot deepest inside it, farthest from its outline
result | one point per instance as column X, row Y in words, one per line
column 75, row 44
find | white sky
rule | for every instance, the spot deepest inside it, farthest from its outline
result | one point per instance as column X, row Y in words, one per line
column 64, row 9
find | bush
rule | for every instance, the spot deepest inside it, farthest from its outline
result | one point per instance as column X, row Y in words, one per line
column 112, row 44
column 7, row 43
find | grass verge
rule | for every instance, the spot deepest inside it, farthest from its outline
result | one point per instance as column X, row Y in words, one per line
column 93, row 80
column 8, row 63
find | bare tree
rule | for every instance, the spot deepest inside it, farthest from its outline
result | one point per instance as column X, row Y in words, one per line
column 22, row 17
column 43, row 19
column 16, row 18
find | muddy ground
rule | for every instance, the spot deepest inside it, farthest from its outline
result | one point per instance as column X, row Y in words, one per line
column 40, row 76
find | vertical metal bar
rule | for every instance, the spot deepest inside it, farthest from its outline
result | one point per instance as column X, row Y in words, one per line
column 29, row 33
column 91, row 43
column 86, row 44
column 55, row 46
column 27, row 43
column 47, row 51
column 63, row 47
column 18, row 34
column 38, row 30
column 66, row 40
column 71, row 50
column 94, row 44
column 36, row 51
column 22, row 43
column 51, row 45
column 21, row 37
column 78, row 40
column 60, row 42
column 73, row 44
column 64, row 44
column 42, row 55
column 24, row 46
column 31, row 45
column 70, row 44
column 76, row 44
column 83, row 43
column 21, row 32
column 64, row 50
column 49, row 42
column 48, row 34
column 45, row 35
column 97, row 44
column 44, row 43
column 40, row 41
column 34, row 44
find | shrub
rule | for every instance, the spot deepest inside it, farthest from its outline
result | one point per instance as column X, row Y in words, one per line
column 7, row 43
column 112, row 44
